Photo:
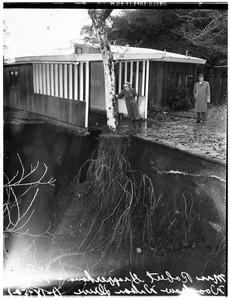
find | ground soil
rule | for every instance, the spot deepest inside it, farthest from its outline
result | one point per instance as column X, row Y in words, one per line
column 73, row 213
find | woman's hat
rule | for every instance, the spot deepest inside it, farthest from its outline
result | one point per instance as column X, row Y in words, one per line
column 201, row 75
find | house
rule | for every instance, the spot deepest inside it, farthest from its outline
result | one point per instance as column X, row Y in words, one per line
column 70, row 87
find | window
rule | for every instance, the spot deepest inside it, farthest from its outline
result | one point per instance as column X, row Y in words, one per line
column 189, row 83
column 179, row 81
column 14, row 78
column 78, row 50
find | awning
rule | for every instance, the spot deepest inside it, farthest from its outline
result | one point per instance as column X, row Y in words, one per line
column 120, row 53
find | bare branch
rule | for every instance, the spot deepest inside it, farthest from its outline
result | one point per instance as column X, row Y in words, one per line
column 23, row 176
column 15, row 220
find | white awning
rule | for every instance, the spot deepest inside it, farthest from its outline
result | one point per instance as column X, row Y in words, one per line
column 120, row 53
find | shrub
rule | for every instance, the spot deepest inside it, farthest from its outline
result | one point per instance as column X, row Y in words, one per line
column 180, row 100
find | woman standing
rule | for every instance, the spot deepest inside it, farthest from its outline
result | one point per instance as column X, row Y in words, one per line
column 131, row 96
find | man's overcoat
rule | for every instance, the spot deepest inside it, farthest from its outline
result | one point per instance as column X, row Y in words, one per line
column 201, row 93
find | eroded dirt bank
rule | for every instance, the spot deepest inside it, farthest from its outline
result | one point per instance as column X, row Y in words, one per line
column 167, row 215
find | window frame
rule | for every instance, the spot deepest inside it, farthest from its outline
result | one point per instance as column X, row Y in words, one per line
column 13, row 76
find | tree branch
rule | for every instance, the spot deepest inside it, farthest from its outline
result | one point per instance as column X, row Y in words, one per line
column 105, row 14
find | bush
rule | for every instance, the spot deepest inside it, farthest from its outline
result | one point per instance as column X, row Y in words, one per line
column 180, row 100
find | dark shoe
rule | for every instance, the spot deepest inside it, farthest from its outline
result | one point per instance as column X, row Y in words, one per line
column 197, row 121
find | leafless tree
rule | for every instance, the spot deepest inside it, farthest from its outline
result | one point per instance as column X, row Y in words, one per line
column 202, row 25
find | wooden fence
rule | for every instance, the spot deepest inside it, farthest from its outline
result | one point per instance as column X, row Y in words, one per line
column 219, row 90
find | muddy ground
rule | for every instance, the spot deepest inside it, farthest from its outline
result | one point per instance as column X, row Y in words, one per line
column 179, row 129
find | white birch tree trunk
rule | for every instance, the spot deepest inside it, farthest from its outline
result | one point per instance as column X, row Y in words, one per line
column 98, row 17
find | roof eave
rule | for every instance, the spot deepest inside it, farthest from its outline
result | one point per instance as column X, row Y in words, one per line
column 190, row 60
column 97, row 57
column 159, row 57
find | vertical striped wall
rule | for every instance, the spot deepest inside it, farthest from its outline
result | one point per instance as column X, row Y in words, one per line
column 135, row 72
column 71, row 80
column 61, row 80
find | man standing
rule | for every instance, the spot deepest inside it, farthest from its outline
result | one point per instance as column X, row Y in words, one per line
column 130, row 96
column 202, row 95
